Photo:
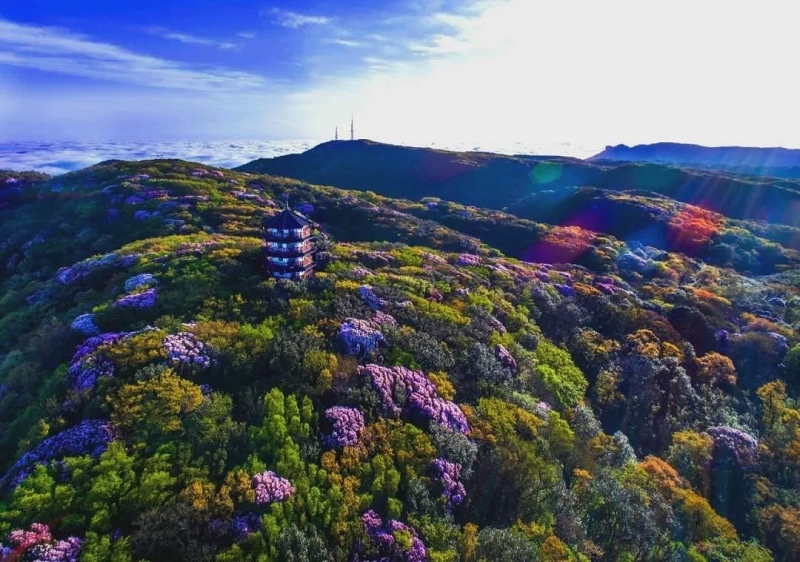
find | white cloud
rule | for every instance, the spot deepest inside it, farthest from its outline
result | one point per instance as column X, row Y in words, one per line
column 190, row 39
column 347, row 43
column 246, row 34
column 58, row 50
column 293, row 20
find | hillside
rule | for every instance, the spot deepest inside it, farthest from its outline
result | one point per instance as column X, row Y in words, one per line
column 497, row 181
column 427, row 395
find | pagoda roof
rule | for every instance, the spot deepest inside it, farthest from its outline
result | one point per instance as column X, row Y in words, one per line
column 286, row 220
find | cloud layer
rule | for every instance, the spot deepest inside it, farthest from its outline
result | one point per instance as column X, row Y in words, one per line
column 65, row 156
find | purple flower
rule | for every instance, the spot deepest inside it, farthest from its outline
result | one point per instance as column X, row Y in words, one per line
column 186, row 350
column 271, row 488
column 38, row 544
column 359, row 336
column 468, row 259
column 382, row 319
column 735, row 444
column 140, row 281
column 386, row 538
column 565, row 290
column 418, row 394
column 90, row 345
column 67, row 275
column 449, row 475
column 10, row 181
column 244, row 524
column 505, row 358
column 83, row 374
column 141, row 300
column 60, row 551
column 142, row 215
column 156, row 194
column 89, row 437
column 347, row 425
column 22, row 540
column 304, row 208
column 85, row 325
column 369, row 296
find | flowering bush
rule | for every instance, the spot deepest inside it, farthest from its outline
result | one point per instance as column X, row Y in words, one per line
column 83, row 374
column 185, row 349
column 449, row 474
column 369, row 296
column 565, row 290
column 23, row 540
column 382, row 319
column 37, row 544
column 304, row 208
column 90, row 345
column 140, row 281
column 347, row 425
column 140, row 300
column 735, row 444
column 417, row 396
column 359, row 336
column 80, row 270
column 505, row 358
column 244, row 524
column 271, row 488
column 60, row 551
column 142, row 215
column 85, row 325
column 396, row 540
column 89, row 437
column 468, row 259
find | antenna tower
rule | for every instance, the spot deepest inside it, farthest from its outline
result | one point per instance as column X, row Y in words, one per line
column 336, row 136
column 351, row 127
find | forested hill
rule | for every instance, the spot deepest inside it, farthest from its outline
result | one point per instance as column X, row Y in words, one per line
column 497, row 181
column 426, row 396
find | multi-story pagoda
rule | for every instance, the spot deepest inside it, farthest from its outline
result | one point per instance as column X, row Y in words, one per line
column 288, row 245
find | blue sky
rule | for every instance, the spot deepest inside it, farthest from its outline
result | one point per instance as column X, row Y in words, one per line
column 567, row 70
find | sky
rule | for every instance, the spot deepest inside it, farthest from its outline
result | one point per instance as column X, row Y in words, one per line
column 583, row 71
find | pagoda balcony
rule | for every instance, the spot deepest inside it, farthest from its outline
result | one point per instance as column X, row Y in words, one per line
column 287, row 235
column 282, row 264
column 290, row 250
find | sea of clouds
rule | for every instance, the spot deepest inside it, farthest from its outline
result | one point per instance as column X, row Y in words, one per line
column 59, row 157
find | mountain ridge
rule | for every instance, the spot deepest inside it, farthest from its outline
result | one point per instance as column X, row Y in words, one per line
column 499, row 181
column 765, row 161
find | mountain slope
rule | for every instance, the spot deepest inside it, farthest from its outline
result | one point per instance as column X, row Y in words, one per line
column 496, row 181
column 422, row 397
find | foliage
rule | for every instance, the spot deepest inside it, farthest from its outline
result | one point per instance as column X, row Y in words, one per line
column 160, row 399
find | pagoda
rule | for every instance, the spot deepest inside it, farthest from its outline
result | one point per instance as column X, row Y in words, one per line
column 288, row 245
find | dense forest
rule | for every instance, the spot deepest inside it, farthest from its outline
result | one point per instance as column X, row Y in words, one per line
column 452, row 384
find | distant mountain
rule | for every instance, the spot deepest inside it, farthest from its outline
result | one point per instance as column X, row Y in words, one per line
column 775, row 161
column 498, row 181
